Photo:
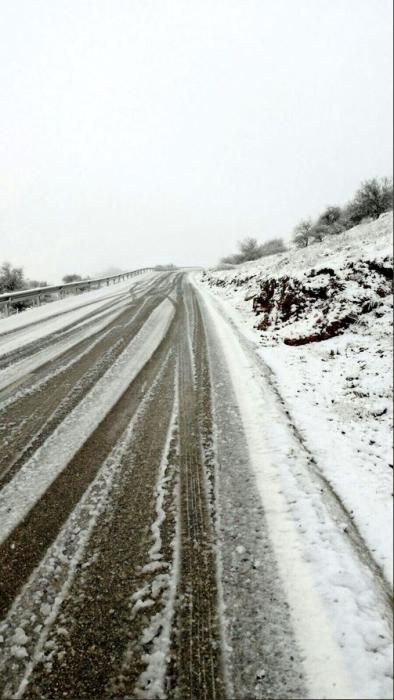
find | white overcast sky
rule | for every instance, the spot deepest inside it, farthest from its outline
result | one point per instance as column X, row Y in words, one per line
column 137, row 132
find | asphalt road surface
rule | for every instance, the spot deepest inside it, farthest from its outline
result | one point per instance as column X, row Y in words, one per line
column 134, row 554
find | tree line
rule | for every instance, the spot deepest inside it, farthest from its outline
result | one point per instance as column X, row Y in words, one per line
column 373, row 198
column 12, row 279
column 250, row 249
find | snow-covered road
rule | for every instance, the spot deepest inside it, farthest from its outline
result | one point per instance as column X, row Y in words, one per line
column 164, row 531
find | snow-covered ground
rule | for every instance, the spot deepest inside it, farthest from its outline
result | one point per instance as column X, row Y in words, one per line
column 318, row 418
column 338, row 392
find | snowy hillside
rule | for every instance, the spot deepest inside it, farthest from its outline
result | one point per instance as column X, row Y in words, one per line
column 317, row 291
column 321, row 320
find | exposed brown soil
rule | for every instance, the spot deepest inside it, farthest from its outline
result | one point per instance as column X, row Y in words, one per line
column 330, row 331
column 290, row 298
column 384, row 268
column 319, row 295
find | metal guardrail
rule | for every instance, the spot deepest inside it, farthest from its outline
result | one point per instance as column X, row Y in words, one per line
column 38, row 293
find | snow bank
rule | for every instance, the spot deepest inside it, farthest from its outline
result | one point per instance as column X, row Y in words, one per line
column 338, row 599
column 338, row 393
column 316, row 293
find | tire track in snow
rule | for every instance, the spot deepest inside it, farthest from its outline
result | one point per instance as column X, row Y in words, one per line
column 24, row 341
column 56, row 387
column 81, row 442
column 98, row 607
column 129, row 591
column 196, row 670
column 27, row 422
column 53, row 351
column 155, row 598
column 35, row 611
column 14, row 374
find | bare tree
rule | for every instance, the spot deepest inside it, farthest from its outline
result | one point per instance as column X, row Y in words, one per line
column 302, row 233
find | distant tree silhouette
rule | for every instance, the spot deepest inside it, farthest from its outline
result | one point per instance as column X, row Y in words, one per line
column 372, row 199
column 249, row 249
column 11, row 278
column 72, row 278
column 302, row 233
column 33, row 284
column 273, row 246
